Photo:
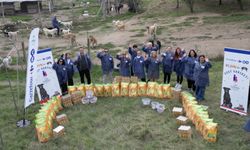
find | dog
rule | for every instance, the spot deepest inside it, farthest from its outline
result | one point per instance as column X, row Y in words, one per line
column 119, row 25
column 43, row 92
column 20, row 22
column 65, row 31
column 152, row 30
column 6, row 61
column 67, row 24
column 13, row 35
column 47, row 32
column 71, row 37
column 244, row 68
column 92, row 41
column 227, row 98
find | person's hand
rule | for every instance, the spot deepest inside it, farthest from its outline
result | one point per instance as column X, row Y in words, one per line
column 55, row 60
column 206, row 59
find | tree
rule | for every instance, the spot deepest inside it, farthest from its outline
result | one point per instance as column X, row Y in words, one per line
column 240, row 4
column 177, row 3
column 220, row 2
column 191, row 5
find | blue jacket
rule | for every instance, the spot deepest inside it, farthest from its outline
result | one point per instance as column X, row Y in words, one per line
column 189, row 63
column 83, row 62
column 138, row 67
column 149, row 50
column 106, row 61
column 55, row 23
column 201, row 76
column 167, row 62
column 153, row 68
column 69, row 64
column 61, row 72
column 133, row 54
column 125, row 64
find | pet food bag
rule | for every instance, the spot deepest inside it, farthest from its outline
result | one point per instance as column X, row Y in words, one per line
column 142, row 89
column 99, row 90
column 116, row 90
column 166, row 90
column 158, row 91
column 133, row 89
column 124, row 89
column 210, row 133
column 107, row 90
column 81, row 88
column 118, row 79
column 151, row 89
column 71, row 89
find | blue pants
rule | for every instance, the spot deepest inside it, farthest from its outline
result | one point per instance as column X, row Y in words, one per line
column 200, row 92
column 247, row 126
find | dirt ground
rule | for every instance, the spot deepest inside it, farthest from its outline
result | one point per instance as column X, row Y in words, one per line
column 209, row 39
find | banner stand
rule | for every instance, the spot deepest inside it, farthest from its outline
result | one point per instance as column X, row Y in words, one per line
column 23, row 123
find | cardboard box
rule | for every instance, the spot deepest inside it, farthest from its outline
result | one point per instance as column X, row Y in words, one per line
column 62, row 119
column 185, row 132
column 58, row 131
column 181, row 120
column 66, row 100
column 177, row 111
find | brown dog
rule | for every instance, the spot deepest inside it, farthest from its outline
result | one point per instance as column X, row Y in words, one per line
column 71, row 37
column 92, row 41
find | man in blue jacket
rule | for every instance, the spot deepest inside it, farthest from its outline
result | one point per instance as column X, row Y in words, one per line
column 125, row 64
column 138, row 67
column 61, row 73
column 133, row 53
column 55, row 24
column 69, row 64
column 167, row 64
column 83, row 64
column 107, row 65
column 201, row 76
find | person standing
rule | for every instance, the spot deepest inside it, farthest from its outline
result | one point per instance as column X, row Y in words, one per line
column 153, row 64
column 70, row 68
column 83, row 64
column 61, row 73
column 133, row 53
column 125, row 64
column 55, row 24
column 189, row 62
column 148, row 48
column 138, row 66
column 178, row 67
column 167, row 64
column 201, row 76
column 107, row 65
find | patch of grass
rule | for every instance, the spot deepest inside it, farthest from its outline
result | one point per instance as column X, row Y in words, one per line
column 138, row 35
column 20, row 17
column 226, row 19
column 204, row 37
column 107, row 45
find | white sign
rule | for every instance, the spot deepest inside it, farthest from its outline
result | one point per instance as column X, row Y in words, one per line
column 47, row 84
column 235, row 83
column 31, row 62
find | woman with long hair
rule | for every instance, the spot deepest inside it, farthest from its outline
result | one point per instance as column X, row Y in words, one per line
column 178, row 67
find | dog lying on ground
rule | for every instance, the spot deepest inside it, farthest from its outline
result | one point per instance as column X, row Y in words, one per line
column 67, row 24
column 152, row 29
column 92, row 41
column 119, row 25
column 47, row 32
column 65, row 31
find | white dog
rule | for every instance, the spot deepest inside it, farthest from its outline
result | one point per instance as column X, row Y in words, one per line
column 67, row 24
column 119, row 25
column 65, row 31
column 152, row 29
column 51, row 32
column 13, row 35
column 7, row 61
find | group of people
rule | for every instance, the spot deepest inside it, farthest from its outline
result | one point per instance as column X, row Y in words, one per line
column 144, row 64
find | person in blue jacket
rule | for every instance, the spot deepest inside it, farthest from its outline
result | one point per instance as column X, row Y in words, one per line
column 247, row 126
column 125, row 64
column 61, row 73
column 138, row 66
column 107, row 65
column 84, row 64
column 189, row 62
column 148, row 48
column 69, row 64
column 178, row 67
column 167, row 64
column 133, row 53
column 153, row 67
column 201, row 76
column 55, row 24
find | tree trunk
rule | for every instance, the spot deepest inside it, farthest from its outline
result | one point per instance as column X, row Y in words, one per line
column 240, row 4
column 191, row 5
column 177, row 3
column 220, row 2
